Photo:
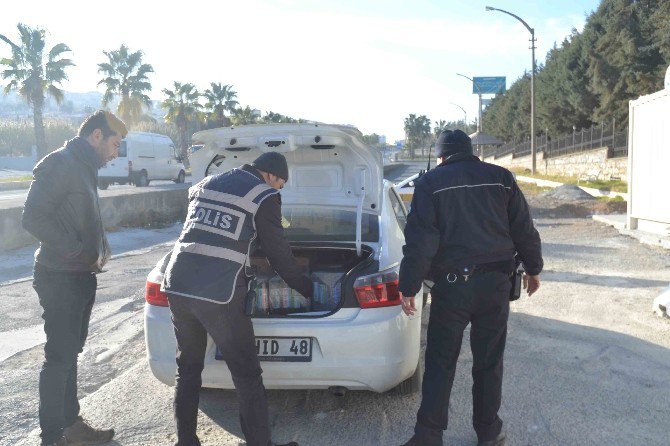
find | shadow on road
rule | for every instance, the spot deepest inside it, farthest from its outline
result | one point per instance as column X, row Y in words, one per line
column 564, row 384
column 600, row 280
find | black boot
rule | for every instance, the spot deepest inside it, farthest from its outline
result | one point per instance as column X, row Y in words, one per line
column 500, row 440
column 412, row 442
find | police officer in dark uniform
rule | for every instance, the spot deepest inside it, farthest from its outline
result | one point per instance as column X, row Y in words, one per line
column 206, row 282
column 468, row 220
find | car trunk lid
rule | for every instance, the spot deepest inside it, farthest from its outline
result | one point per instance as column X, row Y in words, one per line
column 328, row 165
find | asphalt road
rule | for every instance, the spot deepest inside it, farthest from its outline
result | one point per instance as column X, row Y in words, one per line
column 587, row 362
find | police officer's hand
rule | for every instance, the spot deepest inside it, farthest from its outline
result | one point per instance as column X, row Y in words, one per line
column 408, row 304
column 531, row 284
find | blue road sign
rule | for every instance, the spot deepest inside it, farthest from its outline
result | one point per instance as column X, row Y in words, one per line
column 488, row 85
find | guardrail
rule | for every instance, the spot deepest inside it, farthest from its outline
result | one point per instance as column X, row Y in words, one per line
column 578, row 141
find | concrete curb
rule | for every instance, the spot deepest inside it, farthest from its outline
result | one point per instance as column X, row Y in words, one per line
column 618, row 222
column 14, row 185
column 141, row 209
column 391, row 167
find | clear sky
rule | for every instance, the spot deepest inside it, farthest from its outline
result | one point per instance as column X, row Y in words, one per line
column 363, row 62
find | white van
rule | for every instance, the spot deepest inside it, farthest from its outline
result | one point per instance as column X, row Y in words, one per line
column 143, row 157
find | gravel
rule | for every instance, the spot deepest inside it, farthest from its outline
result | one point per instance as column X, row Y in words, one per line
column 567, row 192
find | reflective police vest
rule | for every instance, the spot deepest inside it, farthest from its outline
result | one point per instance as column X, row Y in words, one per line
column 213, row 248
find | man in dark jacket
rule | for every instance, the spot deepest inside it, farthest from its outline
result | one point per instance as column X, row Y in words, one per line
column 468, row 220
column 207, row 279
column 62, row 212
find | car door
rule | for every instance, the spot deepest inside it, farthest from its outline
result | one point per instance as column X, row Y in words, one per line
column 144, row 156
column 164, row 160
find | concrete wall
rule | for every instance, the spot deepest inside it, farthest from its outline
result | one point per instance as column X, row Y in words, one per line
column 17, row 162
column 12, row 234
column 138, row 209
column 589, row 163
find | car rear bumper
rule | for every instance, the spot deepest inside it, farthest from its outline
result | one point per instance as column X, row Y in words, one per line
column 372, row 349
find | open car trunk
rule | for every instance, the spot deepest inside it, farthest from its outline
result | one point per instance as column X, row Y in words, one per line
column 332, row 267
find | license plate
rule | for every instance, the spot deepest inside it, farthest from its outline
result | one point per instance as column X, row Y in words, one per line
column 281, row 349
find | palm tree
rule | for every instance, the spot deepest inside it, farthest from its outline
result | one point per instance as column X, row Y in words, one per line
column 277, row 118
column 246, row 115
column 126, row 76
column 417, row 132
column 35, row 74
column 182, row 108
column 439, row 126
column 220, row 99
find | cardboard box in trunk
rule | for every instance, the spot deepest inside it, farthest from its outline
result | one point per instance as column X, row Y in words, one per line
column 263, row 269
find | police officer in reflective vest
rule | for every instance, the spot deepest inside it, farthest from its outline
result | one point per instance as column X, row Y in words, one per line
column 206, row 282
column 468, row 220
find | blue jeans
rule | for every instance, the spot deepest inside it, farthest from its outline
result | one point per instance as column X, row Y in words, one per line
column 67, row 299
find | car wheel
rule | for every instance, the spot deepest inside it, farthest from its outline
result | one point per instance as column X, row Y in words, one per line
column 181, row 177
column 142, row 180
column 412, row 384
column 102, row 184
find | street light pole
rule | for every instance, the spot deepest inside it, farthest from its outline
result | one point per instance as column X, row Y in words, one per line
column 465, row 114
column 532, row 84
column 479, row 93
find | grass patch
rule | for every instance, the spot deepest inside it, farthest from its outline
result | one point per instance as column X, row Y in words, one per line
column 608, row 199
column 23, row 178
column 611, row 185
column 533, row 189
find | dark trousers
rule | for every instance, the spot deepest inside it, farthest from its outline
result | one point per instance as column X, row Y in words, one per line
column 482, row 301
column 233, row 333
column 67, row 300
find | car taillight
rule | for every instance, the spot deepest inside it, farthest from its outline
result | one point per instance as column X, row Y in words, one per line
column 378, row 290
column 154, row 295
column 130, row 166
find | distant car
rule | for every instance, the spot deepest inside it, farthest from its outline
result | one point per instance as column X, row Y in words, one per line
column 194, row 148
column 143, row 157
column 345, row 224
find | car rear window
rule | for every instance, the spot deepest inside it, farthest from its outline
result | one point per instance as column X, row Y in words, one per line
column 327, row 224
column 123, row 149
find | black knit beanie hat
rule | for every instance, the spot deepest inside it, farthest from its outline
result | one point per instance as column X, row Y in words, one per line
column 272, row 162
column 452, row 141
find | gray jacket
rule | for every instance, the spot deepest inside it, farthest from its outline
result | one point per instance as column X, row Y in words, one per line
column 62, row 210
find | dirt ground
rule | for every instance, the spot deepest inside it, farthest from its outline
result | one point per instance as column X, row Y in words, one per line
column 545, row 203
column 587, row 362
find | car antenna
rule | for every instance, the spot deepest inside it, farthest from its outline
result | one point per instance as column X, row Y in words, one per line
column 429, row 150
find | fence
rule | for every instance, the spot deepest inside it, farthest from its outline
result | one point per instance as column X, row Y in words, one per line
column 578, row 141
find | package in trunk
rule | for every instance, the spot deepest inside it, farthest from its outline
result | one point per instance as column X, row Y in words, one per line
column 326, row 268
column 274, row 296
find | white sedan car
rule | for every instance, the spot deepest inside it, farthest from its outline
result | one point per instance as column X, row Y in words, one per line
column 344, row 222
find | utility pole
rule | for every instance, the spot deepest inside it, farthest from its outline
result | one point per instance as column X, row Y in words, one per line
column 532, row 84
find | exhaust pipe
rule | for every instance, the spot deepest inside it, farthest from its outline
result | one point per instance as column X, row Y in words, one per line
column 337, row 390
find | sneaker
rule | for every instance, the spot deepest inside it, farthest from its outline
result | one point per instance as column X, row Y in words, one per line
column 61, row 442
column 500, row 440
column 412, row 442
column 82, row 434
